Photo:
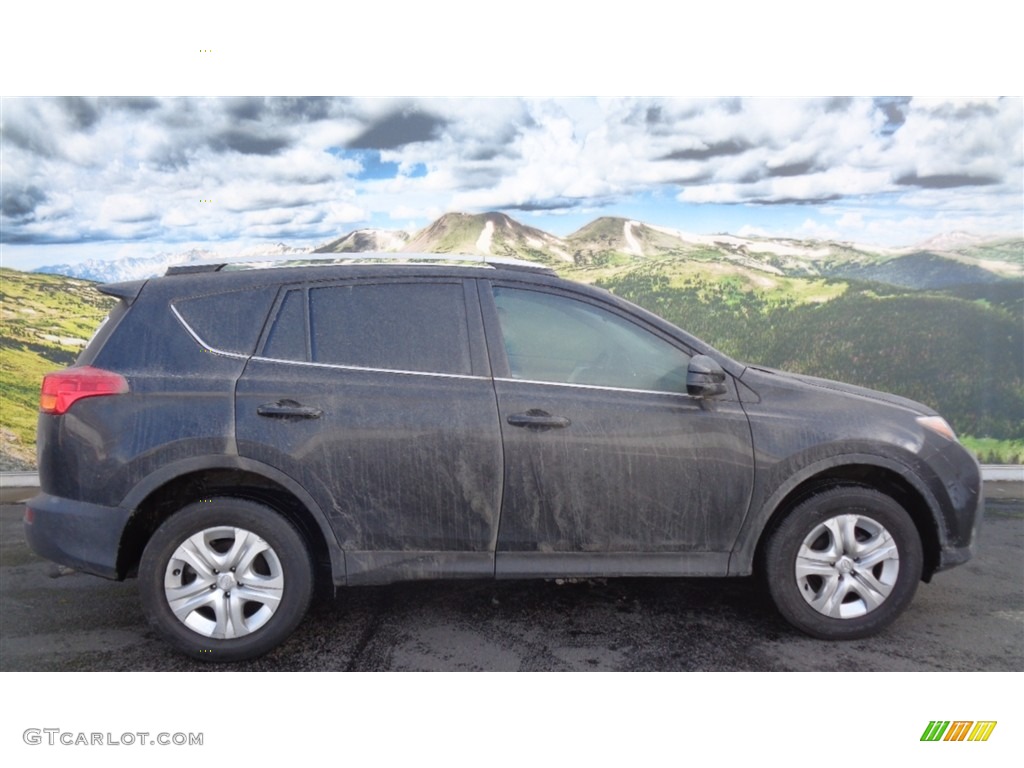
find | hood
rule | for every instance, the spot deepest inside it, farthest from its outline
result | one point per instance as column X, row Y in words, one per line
column 846, row 389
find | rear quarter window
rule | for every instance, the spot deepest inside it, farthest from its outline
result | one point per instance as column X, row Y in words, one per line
column 228, row 322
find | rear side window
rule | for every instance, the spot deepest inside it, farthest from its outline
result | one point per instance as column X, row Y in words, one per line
column 287, row 339
column 390, row 326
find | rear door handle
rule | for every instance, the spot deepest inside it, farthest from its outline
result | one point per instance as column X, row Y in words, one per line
column 537, row 420
column 289, row 409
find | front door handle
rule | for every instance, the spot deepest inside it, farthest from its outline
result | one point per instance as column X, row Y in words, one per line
column 288, row 409
column 537, row 420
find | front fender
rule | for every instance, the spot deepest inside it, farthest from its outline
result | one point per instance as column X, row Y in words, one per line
column 773, row 487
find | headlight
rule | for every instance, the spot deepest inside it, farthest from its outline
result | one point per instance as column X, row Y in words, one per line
column 938, row 425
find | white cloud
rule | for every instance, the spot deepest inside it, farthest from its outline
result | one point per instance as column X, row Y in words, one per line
column 108, row 168
column 851, row 221
column 344, row 213
column 126, row 208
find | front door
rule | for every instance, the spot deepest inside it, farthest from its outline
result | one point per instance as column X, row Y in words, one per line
column 610, row 467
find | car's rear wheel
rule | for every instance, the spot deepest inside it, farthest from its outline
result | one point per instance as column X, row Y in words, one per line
column 844, row 563
column 225, row 579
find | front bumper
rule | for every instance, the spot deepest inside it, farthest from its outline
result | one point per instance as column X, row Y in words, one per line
column 958, row 486
column 82, row 536
column 952, row 555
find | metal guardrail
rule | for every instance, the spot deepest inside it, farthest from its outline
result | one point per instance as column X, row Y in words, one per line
column 19, row 486
column 1002, row 473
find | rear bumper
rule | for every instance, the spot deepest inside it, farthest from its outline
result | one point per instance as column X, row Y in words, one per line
column 82, row 536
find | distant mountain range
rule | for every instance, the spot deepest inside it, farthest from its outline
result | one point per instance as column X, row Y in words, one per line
column 952, row 259
column 144, row 267
column 941, row 322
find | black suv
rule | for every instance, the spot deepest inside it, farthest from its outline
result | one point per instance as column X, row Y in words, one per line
column 232, row 435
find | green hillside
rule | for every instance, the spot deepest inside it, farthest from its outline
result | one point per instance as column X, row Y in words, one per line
column 917, row 271
column 45, row 320
column 959, row 351
column 947, row 331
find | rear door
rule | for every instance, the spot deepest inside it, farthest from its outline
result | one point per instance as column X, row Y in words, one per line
column 375, row 395
column 610, row 467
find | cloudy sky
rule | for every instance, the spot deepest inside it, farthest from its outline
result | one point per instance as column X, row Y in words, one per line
column 108, row 177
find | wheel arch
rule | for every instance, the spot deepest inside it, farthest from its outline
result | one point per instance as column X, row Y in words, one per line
column 886, row 476
column 162, row 494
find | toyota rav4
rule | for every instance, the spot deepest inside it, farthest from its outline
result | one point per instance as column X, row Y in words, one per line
column 231, row 436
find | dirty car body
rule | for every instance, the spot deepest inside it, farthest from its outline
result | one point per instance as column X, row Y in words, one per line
column 231, row 437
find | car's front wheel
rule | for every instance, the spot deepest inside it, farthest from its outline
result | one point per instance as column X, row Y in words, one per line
column 225, row 579
column 844, row 563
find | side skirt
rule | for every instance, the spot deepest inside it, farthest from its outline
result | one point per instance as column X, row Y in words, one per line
column 385, row 567
column 551, row 565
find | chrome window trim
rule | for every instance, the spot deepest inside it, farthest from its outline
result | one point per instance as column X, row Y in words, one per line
column 198, row 340
column 595, row 386
column 339, row 366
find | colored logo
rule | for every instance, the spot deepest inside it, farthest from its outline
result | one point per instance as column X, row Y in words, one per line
column 958, row 730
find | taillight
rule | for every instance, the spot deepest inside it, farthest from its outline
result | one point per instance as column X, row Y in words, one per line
column 61, row 389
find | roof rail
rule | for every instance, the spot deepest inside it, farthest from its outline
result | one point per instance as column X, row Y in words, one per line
column 191, row 269
column 364, row 257
column 494, row 262
column 531, row 266
column 374, row 257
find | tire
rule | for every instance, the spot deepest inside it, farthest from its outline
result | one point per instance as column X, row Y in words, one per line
column 844, row 563
column 225, row 579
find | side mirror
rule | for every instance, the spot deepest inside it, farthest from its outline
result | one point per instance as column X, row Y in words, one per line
column 704, row 377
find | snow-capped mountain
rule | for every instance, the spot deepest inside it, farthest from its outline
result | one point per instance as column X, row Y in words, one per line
column 128, row 268
column 950, row 241
column 363, row 240
column 488, row 234
column 275, row 251
column 145, row 267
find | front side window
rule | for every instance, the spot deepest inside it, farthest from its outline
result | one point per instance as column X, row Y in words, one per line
column 391, row 326
column 549, row 337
